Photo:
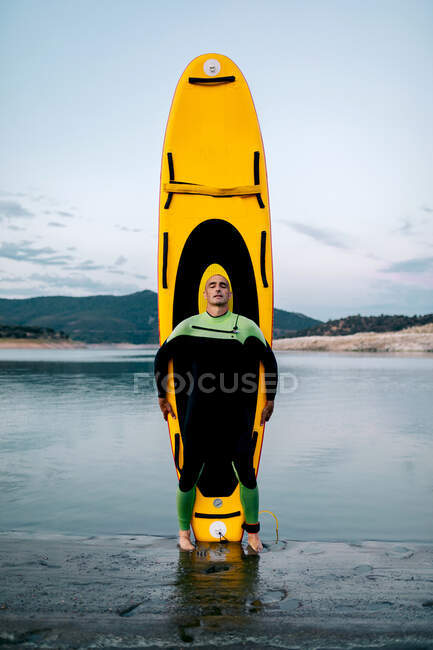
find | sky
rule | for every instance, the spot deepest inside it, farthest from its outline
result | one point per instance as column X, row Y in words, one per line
column 344, row 96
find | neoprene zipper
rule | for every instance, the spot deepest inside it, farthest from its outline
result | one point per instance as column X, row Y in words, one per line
column 210, row 329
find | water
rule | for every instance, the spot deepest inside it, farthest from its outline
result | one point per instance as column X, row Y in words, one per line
column 347, row 455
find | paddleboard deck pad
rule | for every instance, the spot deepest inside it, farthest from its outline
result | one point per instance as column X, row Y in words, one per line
column 214, row 218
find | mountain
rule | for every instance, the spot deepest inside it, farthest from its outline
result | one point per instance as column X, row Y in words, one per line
column 358, row 323
column 288, row 323
column 112, row 319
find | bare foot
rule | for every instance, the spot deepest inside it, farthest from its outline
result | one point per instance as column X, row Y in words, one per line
column 185, row 541
column 254, row 542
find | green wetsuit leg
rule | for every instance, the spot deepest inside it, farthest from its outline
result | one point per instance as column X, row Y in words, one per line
column 250, row 503
column 185, row 505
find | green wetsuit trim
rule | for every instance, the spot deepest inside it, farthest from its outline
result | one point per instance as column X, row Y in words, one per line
column 228, row 326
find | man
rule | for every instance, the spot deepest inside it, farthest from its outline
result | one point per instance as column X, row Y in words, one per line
column 216, row 349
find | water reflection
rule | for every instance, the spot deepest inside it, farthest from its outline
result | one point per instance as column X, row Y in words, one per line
column 216, row 586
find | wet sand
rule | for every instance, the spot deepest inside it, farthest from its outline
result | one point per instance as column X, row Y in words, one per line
column 129, row 591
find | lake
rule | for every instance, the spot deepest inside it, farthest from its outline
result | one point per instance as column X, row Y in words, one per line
column 347, row 455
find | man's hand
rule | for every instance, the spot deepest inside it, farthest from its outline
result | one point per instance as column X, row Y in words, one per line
column 166, row 408
column 267, row 412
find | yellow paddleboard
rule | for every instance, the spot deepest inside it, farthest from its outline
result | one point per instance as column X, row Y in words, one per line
column 214, row 217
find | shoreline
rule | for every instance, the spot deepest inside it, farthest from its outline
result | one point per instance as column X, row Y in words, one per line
column 36, row 344
column 413, row 340
column 420, row 341
column 127, row 591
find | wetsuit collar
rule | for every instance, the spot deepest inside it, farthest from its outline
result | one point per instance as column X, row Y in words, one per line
column 222, row 316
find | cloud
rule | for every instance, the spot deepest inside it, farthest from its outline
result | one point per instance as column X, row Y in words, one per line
column 20, row 195
column 121, row 260
column 16, row 228
column 87, row 265
column 425, row 208
column 125, row 229
column 56, row 224
column 25, row 252
column 11, row 278
column 62, row 213
column 81, row 282
column 414, row 265
column 140, row 277
column 13, row 210
column 322, row 235
column 406, row 228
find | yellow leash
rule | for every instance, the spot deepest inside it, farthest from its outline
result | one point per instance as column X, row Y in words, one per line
column 276, row 519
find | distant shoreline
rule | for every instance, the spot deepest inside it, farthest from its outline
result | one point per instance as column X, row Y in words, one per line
column 50, row 344
column 414, row 339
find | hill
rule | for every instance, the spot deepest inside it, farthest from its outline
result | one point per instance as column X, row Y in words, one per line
column 112, row 319
column 358, row 323
column 31, row 333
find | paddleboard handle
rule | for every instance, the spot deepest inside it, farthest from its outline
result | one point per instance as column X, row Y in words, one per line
column 212, row 80
column 164, row 260
column 257, row 177
column 176, row 450
column 171, row 173
column 205, row 515
column 263, row 258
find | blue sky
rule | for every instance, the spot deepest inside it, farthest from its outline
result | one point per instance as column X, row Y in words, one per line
column 344, row 95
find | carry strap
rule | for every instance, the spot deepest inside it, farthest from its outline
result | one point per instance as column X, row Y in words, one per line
column 211, row 80
column 183, row 187
column 192, row 188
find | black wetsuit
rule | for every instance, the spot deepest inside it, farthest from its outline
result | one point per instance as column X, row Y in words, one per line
column 216, row 367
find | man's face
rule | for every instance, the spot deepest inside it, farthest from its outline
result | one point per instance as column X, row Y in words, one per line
column 217, row 291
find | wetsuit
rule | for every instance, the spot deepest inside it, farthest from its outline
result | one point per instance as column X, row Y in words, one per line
column 216, row 367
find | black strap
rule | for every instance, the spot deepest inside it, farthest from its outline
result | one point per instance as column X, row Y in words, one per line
column 251, row 528
column 257, row 177
column 164, row 260
column 176, row 449
column 254, row 443
column 171, row 173
column 263, row 258
column 212, row 80
column 203, row 515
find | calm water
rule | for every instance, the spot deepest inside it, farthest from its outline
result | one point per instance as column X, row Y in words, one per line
column 347, row 455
